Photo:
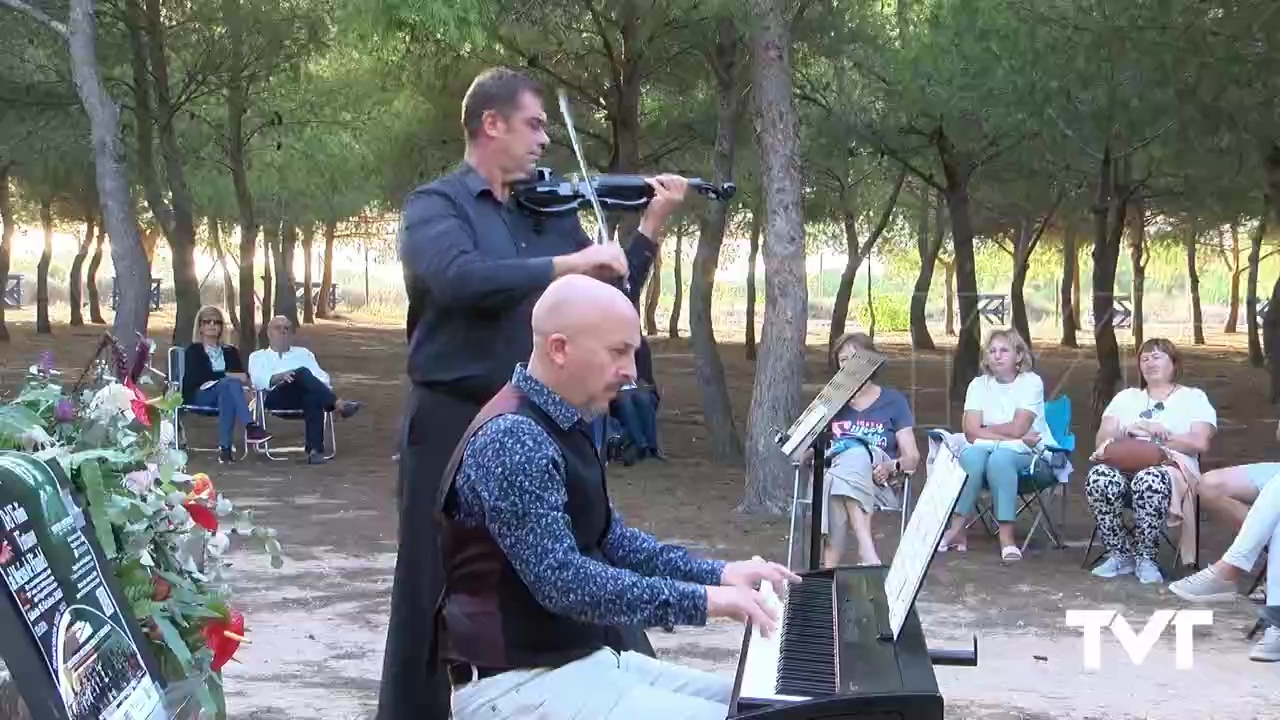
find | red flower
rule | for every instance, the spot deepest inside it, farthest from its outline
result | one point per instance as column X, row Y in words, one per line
column 202, row 516
column 223, row 636
column 141, row 411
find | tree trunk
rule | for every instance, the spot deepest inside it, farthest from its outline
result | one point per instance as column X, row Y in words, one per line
column 964, row 367
column 1109, row 212
column 844, row 291
column 673, row 323
column 1137, row 258
column 228, row 284
column 308, row 242
column 237, row 106
column 1271, row 337
column 42, row 269
column 7, row 228
column 856, row 254
column 91, row 279
column 927, row 244
column 1066, row 295
column 1075, row 291
column 1017, row 284
column 1233, row 309
column 326, row 271
column 270, row 248
column 286, row 287
column 652, row 294
column 949, row 287
column 717, row 410
column 75, row 284
column 132, row 271
column 1256, row 358
column 753, row 256
column 1193, row 286
column 776, row 397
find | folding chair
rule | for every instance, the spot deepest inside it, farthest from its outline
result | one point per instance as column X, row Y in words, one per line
column 260, row 413
column 176, row 359
column 1057, row 415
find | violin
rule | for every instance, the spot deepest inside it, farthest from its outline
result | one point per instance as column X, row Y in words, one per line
column 545, row 194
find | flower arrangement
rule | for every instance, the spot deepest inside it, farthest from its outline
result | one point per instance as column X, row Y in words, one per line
column 165, row 532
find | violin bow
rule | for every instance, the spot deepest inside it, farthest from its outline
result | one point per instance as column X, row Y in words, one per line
column 602, row 236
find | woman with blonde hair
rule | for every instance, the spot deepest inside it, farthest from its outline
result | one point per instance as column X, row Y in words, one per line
column 214, row 376
column 872, row 447
column 1005, row 429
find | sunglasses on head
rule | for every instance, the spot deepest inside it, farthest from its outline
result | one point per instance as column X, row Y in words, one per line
column 1151, row 411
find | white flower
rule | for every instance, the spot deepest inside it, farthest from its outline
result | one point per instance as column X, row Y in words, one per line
column 35, row 438
column 112, row 400
column 218, row 544
column 140, row 481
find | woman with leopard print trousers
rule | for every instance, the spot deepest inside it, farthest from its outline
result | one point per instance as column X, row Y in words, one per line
column 1183, row 421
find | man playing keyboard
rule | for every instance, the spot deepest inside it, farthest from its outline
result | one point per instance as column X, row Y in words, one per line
column 542, row 575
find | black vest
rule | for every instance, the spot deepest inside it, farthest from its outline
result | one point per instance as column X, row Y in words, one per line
column 487, row 615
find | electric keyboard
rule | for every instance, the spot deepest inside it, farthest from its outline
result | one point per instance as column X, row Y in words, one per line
column 833, row 655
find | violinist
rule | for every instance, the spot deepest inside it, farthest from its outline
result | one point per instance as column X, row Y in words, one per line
column 474, row 264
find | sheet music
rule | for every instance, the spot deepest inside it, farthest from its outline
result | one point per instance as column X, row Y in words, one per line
column 837, row 392
column 929, row 520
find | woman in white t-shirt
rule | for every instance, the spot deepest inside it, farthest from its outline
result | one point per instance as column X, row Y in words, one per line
column 1182, row 421
column 1004, row 424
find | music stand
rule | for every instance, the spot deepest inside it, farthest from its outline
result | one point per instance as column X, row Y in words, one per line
column 811, row 430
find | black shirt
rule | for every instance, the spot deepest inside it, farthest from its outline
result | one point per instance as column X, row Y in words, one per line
column 474, row 267
column 197, row 369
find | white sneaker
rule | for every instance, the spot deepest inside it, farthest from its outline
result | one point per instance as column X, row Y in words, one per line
column 1204, row 586
column 1148, row 571
column 1114, row 566
column 1268, row 648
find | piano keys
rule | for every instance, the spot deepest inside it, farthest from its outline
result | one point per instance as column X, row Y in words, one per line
column 834, row 655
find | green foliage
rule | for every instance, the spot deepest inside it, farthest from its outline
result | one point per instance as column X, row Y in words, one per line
column 891, row 314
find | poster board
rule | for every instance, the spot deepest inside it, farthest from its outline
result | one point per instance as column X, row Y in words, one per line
column 66, row 634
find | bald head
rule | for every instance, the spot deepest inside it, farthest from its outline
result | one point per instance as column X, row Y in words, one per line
column 575, row 302
column 585, row 334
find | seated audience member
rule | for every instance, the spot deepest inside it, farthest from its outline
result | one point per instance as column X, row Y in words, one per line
column 542, row 576
column 872, row 446
column 1217, row 583
column 214, row 376
column 1181, row 421
column 1006, row 431
column 293, row 380
column 1228, row 492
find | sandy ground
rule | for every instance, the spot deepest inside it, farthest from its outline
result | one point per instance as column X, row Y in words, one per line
column 317, row 625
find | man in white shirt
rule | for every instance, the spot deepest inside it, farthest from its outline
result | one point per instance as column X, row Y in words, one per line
column 294, row 381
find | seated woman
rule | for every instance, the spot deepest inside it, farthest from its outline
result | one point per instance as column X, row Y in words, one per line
column 872, row 444
column 214, row 376
column 1182, row 421
column 1005, row 426
column 1217, row 583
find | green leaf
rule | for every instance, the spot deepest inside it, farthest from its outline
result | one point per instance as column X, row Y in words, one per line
column 173, row 639
column 91, row 476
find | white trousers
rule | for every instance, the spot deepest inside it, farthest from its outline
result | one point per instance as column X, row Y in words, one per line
column 1261, row 529
column 601, row 686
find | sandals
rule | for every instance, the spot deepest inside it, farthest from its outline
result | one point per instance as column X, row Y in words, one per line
column 1010, row 553
column 952, row 547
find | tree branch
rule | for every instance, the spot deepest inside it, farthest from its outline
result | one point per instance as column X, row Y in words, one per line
column 40, row 16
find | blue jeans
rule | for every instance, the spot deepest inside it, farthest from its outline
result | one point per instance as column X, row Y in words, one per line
column 227, row 395
column 637, row 410
column 998, row 469
column 312, row 397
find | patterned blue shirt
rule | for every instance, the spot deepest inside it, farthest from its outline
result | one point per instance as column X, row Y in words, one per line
column 511, row 481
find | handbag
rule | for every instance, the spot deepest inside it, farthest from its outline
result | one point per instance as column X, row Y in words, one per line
column 1129, row 455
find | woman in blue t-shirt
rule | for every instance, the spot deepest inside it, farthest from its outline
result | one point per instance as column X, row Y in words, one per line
column 872, row 446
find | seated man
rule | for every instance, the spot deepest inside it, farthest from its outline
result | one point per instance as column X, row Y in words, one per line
column 543, row 580
column 294, row 381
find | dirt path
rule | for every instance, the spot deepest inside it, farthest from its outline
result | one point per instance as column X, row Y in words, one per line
column 317, row 626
